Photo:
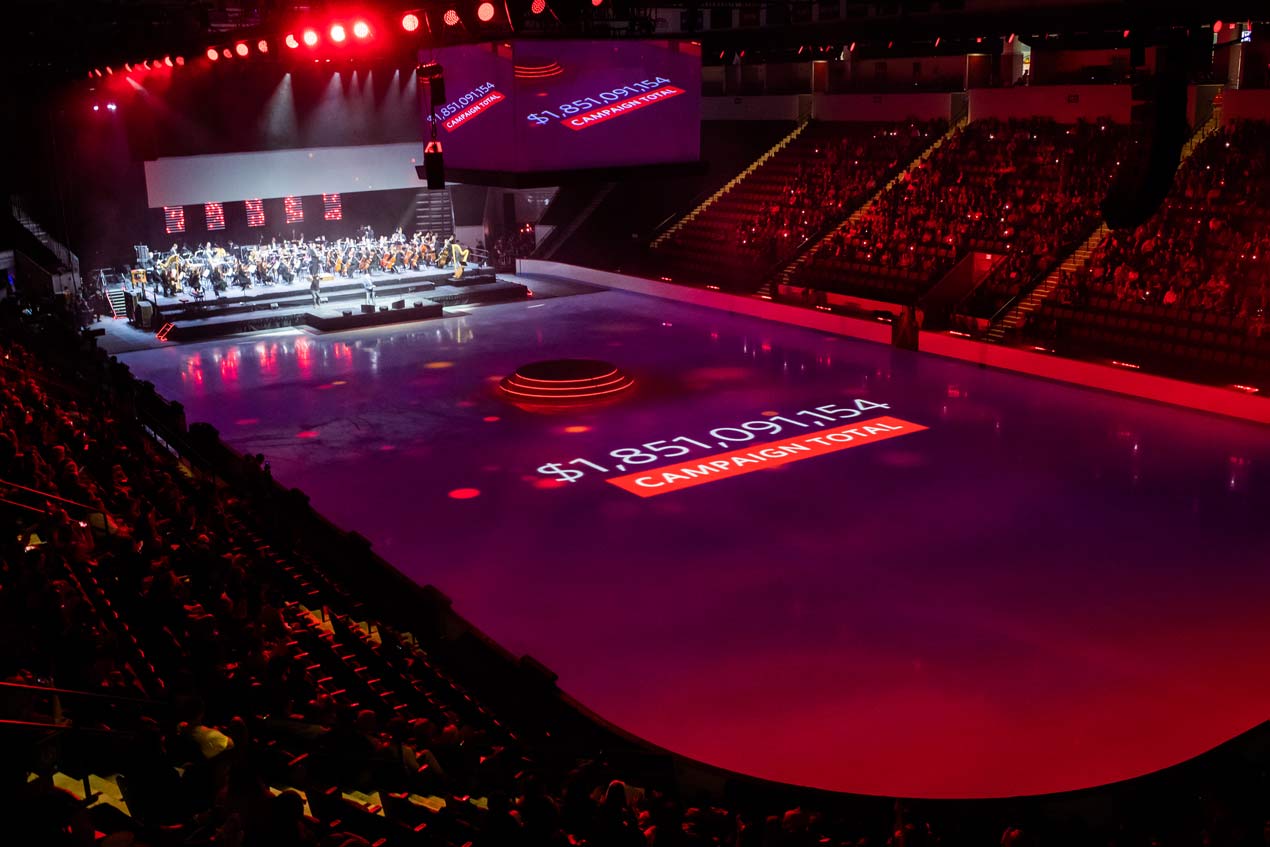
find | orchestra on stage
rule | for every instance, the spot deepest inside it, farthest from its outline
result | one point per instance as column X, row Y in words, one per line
column 211, row 270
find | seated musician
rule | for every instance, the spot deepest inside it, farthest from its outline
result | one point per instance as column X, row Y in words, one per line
column 459, row 255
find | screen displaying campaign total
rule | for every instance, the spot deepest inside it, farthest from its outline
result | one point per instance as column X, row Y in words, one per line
column 527, row 106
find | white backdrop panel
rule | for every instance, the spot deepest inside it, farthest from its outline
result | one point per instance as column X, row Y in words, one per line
column 228, row 177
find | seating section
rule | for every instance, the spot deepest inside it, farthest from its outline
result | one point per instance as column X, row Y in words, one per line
column 1187, row 291
column 820, row 177
column 220, row 687
column 1025, row 190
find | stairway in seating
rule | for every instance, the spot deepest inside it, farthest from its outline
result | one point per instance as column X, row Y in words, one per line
column 728, row 186
column 562, row 234
column 787, row 273
column 118, row 302
column 434, row 212
column 69, row 261
column 1078, row 258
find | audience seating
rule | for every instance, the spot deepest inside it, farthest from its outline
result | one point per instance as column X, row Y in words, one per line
column 819, row 178
column 1187, row 291
column 1024, row 189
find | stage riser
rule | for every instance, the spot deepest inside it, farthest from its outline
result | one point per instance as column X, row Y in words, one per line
column 261, row 297
column 260, row 323
column 289, row 300
column 496, row 293
column 259, row 320
column 359, row 319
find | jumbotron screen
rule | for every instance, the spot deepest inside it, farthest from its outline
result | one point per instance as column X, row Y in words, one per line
column 527, row 106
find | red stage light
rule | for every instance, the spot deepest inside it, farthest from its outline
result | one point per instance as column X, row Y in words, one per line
column 1217, row 27
column 310, row 37
column 337, row 33
column 226, row 53
column 111, row 71
column 167, row 60
column 212, row 54
column 128, row 67
column 597, row 3
column 450, row 17
column 538, row 7
column 242, row 49
column 262, row 46
column 291, row 42
column 485, row 12
column 361, row 29
column 410, row 22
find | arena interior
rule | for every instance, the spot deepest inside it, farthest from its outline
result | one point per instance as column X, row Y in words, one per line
column 436, row 425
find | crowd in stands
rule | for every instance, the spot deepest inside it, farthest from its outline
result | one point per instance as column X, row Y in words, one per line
column 806, row 187
column 1026, row 190
column 511, row 246
column 842, row 173
column 1207, row 250
column 235, row 693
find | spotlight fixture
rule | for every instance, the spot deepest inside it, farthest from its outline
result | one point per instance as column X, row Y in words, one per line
column 242, row 49
column 450, row 17
column 212, row 54
column 226, row 53
column 338, row 34
column 410, row 22
column 310, row 37
column 180, row 63
column 262, row 46
column 361, row 29
column 291, row 41
column 485, row 12
column 597, row 3
column 538, row 6
column 167, row 60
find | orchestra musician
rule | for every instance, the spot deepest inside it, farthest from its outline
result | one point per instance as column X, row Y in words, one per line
column 211, row 269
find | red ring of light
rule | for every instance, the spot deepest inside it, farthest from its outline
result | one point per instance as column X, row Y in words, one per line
column 451, row 17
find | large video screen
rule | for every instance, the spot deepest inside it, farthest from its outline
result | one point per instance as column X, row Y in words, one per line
column 526, row 106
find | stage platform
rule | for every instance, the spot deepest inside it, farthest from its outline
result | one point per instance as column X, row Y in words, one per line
column 1005, row 586
column 416, row 297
